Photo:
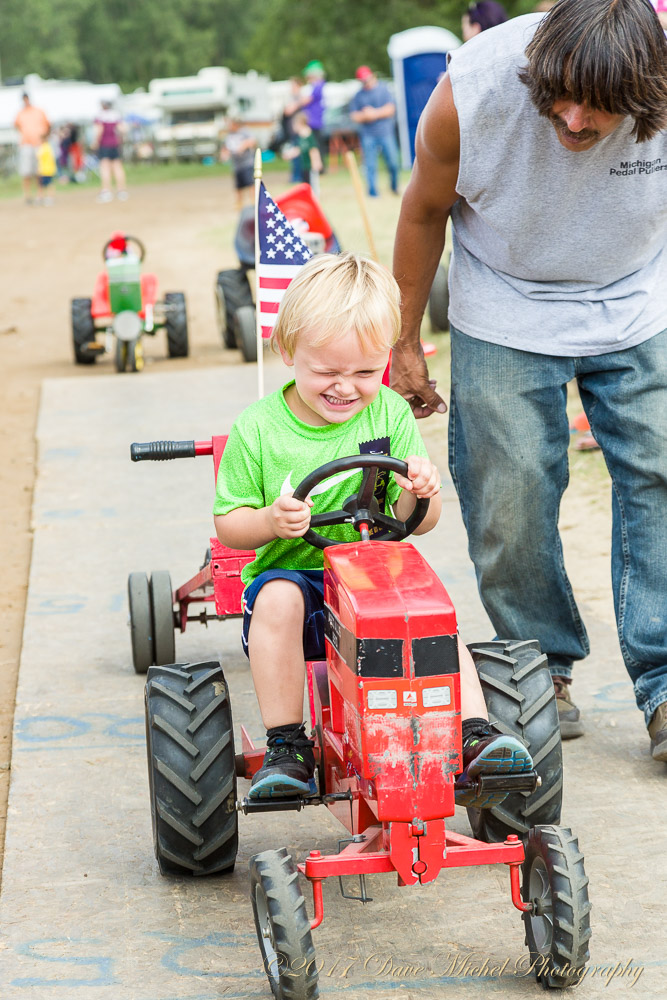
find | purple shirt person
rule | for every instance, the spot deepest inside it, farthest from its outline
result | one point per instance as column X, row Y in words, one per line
column 313, row 105
column 480, row 16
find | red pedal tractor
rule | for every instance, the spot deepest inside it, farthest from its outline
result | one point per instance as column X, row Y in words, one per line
column 125, row 306
column 385, row 712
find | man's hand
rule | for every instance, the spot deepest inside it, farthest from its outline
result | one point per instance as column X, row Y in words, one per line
column 289, row 518
column 409, row 378
column 423, row 478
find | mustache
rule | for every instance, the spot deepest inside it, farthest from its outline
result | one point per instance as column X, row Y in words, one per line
column 560, row 125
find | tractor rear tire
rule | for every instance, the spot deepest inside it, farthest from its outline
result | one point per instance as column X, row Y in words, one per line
column 519, row 695
column 245, row 332
column 141, row 622
column 232, row 290
column 438, row 301
column 283, row 927
column 191, row 769
column 555, row 882
column 83, row 331
column 162, row 605
column 176, row 322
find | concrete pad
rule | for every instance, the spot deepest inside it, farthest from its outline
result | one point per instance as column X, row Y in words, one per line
column 84, row 911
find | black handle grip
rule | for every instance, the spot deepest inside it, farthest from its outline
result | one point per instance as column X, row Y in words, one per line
column 162, row 451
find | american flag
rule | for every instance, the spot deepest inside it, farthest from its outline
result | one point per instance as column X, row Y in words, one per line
column 281, row 254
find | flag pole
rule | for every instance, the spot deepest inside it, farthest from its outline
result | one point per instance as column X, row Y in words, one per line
column 258, row 322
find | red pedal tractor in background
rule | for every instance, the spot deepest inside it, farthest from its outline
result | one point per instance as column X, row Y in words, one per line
column 124, row 306
column 385, row 712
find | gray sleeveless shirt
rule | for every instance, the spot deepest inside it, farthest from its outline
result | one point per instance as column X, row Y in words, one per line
column 555, row 252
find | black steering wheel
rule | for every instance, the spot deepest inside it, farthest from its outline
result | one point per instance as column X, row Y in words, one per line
column 128, row 239
column 361, row 508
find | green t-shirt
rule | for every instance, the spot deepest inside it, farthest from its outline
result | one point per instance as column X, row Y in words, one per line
column 270, row 451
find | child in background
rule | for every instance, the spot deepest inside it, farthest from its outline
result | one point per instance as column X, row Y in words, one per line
column 307, row 150
column 46, row 169
column 335, row 328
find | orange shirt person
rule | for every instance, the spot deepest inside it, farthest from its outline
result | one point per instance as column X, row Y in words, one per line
column 32, row 125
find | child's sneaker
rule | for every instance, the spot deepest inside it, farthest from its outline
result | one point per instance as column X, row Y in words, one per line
column 288, row 767
column 486, row 751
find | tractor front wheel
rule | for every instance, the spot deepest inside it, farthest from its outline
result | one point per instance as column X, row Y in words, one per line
column 232, row 290
column 129, row 355
column 245, row 332
column 283, row 927
column 176, row 321
column 162, row 606
column 191, row 769
column 141, row 622
column 519, row 695
column 558, row 928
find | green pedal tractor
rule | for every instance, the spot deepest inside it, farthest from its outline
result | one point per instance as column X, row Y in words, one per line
column 124, row 307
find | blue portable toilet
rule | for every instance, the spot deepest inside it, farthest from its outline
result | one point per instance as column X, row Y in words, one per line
column 418, row 58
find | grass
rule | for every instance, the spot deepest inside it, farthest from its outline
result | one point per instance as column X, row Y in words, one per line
column 141, row 173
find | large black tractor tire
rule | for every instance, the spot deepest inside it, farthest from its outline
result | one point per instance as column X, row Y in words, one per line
column 162, row 606
column 283, row 927
column 519, row 695
column 176, row 322
column 245, row 332
column 232, row 290
column 559, row 928
column 438, row 301
column 141, row 622
column 83, row 331
column 191, row 769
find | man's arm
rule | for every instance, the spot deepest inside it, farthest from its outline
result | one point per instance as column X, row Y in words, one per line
column 370, row 114
column 420, row 239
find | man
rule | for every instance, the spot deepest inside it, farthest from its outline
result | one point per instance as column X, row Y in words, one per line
column 32, row 125
column 240, row 146
column 374, row 110
column 313, row 103
column 546, row 144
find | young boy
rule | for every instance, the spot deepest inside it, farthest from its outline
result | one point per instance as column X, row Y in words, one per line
column 307, row 151
column 336, row 325
column 46, row 169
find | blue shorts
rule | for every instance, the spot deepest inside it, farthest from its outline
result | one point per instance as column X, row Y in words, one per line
column 311, row 582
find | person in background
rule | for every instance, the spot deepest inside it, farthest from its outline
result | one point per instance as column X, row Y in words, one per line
column 46, row 170
column 544, row 6
column 107, row 143
column 313, row 104
column 374, row 110
column 307, row 151
column 32, row 125
column 661, row 11
column 287, row 133
column 240, row 146
column 480, row 16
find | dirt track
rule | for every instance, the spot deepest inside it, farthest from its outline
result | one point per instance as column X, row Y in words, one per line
column 51, row 255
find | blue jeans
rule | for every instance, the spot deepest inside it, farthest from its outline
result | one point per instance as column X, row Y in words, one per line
column 370, row 147
column 508, row 440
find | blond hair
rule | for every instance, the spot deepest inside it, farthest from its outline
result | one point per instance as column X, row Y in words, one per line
column 335, row 293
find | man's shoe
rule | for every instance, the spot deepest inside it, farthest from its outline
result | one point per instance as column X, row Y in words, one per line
column 569, row 716
column 289, row 765
column 487, row 751
column 657, row 730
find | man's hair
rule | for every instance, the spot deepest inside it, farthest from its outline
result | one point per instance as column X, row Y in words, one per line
column 608, row 54
column 335, row 293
